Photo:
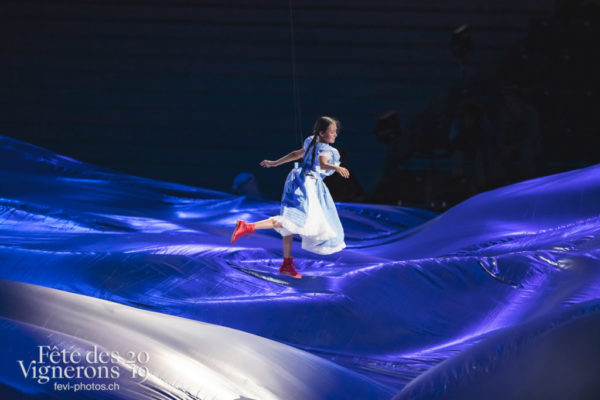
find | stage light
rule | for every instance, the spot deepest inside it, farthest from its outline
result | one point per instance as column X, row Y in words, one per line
column 461, row 43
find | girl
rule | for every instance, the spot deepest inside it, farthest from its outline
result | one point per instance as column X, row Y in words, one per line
column 307, row 208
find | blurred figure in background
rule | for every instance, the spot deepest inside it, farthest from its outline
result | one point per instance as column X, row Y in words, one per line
column 518, row 140
column 470, row 145
column 342, row 189
column 245, row 184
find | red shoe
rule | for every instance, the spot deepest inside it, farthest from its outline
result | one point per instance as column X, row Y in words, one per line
column 288, row 268
column 241, row 228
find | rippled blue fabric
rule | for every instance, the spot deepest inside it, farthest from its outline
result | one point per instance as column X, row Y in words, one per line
column 418, row 305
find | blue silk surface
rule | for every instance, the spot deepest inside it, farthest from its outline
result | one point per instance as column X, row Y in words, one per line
column 418, row 305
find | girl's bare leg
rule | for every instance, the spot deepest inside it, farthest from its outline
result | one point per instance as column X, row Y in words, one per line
column 267, row 224
column 287, row 240
column 287, row 246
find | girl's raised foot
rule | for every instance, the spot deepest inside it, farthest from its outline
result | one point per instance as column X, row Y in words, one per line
column 241, row 228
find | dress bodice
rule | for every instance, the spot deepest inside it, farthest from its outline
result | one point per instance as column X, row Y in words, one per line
column 323, row 149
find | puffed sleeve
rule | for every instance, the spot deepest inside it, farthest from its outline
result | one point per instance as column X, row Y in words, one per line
column 329, row 152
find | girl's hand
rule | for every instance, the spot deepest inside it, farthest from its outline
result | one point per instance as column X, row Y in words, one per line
column 343, row 172
column 267, row 163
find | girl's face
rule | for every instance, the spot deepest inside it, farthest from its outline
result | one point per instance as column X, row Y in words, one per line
column 330, row 134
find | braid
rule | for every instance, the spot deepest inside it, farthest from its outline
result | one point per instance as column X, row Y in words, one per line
column 312, row 162
column 313, row 143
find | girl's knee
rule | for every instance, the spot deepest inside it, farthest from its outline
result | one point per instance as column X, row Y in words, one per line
column 275, row 223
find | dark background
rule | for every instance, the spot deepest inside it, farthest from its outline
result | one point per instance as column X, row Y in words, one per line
column 197, row 91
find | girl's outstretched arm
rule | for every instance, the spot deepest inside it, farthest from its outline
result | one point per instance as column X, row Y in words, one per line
column 293, row 156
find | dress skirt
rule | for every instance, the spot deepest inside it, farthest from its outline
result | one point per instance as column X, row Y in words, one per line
column 308, row 210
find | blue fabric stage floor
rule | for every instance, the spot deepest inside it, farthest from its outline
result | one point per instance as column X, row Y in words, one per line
column 499, row 297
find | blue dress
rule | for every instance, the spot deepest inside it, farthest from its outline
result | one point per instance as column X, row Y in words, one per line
column 307, row 208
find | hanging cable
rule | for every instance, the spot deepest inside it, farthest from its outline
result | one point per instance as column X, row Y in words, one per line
column 295, row 92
